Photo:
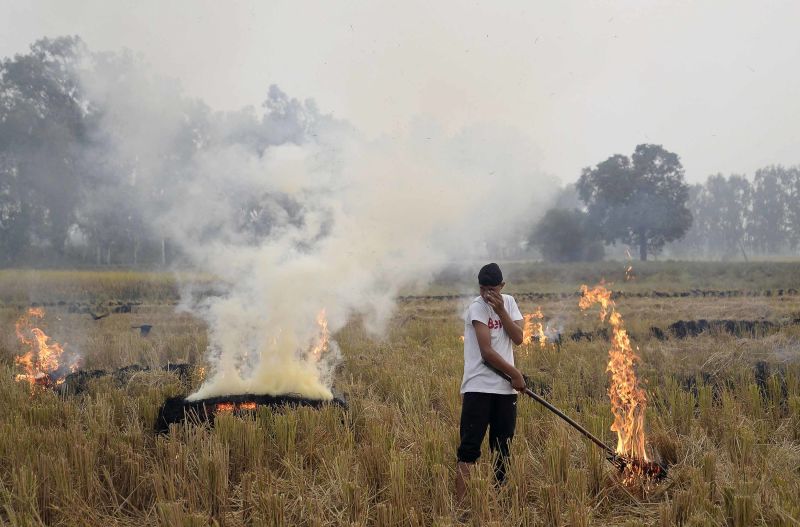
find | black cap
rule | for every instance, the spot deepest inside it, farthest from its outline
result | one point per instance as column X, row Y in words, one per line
column 490, row 275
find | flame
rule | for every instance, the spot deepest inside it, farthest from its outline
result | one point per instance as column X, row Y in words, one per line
column 42, row 362
column 323, row 337
column 628, row 399
column 629, row 270
column 533, row 329
column 230, row 407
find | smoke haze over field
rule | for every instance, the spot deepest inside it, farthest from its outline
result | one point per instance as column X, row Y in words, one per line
column 436, row 129
column 297, row 212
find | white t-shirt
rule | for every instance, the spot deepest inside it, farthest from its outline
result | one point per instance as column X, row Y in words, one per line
column 477, row 377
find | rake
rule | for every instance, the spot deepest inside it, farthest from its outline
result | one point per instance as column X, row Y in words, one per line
column 651, row 469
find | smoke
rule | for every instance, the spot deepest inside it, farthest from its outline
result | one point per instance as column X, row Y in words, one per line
column 294, row 212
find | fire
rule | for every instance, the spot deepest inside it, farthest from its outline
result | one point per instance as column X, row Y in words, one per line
column 230, row 407
column 629, row 270
column 42, row 363
column 533, row 329
column 323, row 337
column 628, row 399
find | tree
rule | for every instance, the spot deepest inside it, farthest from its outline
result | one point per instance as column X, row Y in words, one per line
column 723, row 208
column 564, row 235
column 639, row 200
column 42, row 124
column 695, row 242
column 790, row 183
column 768, row 225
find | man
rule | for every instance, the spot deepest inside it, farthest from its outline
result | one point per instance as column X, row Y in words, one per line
column 491, row 323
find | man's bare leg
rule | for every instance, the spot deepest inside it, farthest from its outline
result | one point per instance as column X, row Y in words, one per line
column 462, row 475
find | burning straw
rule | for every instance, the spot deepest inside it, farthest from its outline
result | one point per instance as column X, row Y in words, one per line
column 628, row 399
column 44, row 361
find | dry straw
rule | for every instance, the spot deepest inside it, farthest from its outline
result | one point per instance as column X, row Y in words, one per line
column 93, row 459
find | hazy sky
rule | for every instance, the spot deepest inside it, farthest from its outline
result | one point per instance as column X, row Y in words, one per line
column 717, row 82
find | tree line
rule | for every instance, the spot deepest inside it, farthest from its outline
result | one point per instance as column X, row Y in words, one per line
column 726, row 218
column 735, row 217
column 68, row 197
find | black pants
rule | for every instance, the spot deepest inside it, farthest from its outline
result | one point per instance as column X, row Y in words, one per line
column 499, row 413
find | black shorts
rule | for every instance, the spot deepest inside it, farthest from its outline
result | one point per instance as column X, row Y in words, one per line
column 480, row 410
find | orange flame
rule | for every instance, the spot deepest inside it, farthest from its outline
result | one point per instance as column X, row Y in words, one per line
column 323, row 337
column 42, row 362
column 230, row 407
column 533, row 329
column 628, row 399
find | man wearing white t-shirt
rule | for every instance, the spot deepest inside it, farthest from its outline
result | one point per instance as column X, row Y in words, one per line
column 492, row 322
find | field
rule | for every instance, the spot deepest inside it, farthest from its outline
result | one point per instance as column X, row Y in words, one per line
column 729, row 430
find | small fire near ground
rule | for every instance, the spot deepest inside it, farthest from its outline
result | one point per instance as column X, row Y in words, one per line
column 44, row 362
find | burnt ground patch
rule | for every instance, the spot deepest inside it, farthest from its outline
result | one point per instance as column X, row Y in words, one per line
column 739, row 328
column 597, row 334
column 692, row 293
column 683, row 329
column 176, row 410
column 78, row 382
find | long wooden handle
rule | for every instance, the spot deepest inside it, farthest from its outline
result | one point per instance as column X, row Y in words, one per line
column 562, row 415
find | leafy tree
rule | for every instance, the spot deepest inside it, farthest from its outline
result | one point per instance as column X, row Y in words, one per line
column 790, row 183
column 42, row 124
column 724, row 208
column 695, row 241
column 768, row 225
column 567, row 198
column 14, row 213
column 640, row 200
column 564, row 235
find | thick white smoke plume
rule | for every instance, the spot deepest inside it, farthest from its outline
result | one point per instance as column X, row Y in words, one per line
column 294, row 213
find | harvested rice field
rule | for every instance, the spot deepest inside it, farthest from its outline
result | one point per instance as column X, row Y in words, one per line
column 723, row 409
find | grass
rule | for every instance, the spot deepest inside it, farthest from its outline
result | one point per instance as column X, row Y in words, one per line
column 647, row 276
column 21, row 286
column 389, row 460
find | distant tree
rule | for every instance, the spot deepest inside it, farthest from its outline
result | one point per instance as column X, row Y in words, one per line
column 724, row 207
column 695, row 242
column 790, row 183
column 639, row 200
column 567, row 198
column 42, row 124
column 14, row 213
column 564, row 235
column 768, row 222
